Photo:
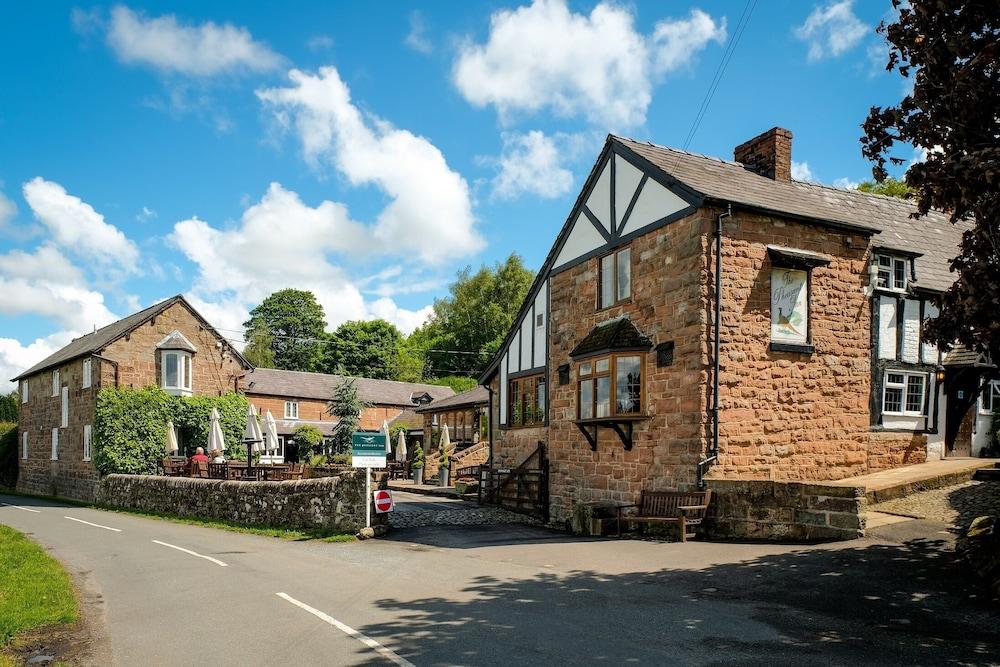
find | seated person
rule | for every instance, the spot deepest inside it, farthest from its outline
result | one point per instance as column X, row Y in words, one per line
column 199, row 456
column 217, row 456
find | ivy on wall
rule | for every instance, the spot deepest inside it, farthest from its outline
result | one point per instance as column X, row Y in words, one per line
column 130, row 428
column 8, row 453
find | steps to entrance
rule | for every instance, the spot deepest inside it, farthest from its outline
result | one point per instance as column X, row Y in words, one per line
column 898, row 482
column 988, row 474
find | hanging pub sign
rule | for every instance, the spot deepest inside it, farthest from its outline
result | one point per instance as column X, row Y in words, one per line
column 789, row 305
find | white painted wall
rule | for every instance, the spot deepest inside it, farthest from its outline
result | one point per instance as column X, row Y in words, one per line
column 514, row 354
column 627, row 179
column 903, row 422
column 503, row 390
column 599, row 201
column 935, row 441
column 583, row 238
column 929, row 351
column 541, row 308
column 655, row 203
column 527, row 338
column 887, row 327
column 911, row 331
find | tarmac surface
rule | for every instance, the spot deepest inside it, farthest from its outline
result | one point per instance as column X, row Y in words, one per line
column 174, row 594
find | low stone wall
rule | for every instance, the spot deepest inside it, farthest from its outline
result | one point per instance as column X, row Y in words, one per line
column 331, row 503
column 778, row 511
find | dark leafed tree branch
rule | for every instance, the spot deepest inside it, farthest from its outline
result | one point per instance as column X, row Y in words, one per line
column 951, row 50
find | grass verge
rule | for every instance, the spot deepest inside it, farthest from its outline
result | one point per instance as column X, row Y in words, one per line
column 35, row 591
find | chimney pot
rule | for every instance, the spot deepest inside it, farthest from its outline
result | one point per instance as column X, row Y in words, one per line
column 769, row 154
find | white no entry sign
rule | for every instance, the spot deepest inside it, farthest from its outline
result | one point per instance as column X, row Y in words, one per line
column 383, row 501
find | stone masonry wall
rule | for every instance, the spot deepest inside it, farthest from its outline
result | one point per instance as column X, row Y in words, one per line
column 791, row 415
column 792, row 511
column 316, row 410
column 668, row 303
column 330, row 503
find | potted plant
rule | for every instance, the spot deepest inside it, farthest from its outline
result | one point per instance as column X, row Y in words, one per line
column 417, row 464
column 444, row 467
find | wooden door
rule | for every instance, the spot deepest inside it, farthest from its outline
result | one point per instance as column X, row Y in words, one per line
column 961, row 393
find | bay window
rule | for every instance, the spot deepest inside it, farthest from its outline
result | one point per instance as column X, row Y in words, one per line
column 526, row 396
column 610, row 386
column 903, row 393
column 176, row 374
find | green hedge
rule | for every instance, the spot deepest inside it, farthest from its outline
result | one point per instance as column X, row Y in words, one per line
column 8, row 454
column 131, row 425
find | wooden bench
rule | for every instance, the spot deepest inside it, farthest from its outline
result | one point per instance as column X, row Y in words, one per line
column 175, row 467
column 683, row 508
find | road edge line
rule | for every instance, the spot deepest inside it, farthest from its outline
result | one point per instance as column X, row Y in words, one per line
column 95, row 525
column 193, row 553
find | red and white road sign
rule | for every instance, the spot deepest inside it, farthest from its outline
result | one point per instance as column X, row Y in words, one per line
column 383, row 501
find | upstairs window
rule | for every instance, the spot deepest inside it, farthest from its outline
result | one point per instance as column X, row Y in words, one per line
column 291, row 410
column 87, row 371
column 55, row 383
column 891, row 272
column 24, row 391
column 610, row 386
column 903, row 393
column 64, row 421
column 989, row 400
column 55, row 444
column 176, row 375
column 24, row 445
column 527, row 401
column 87, row 438
column 615, row 278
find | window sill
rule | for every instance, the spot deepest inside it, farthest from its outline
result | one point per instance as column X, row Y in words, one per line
column 613, row 418
column 519, row 427
column 912, row 415
column 801, row 348
column 177, row 391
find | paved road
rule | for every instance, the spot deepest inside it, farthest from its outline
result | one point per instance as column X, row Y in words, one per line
column 509, row 595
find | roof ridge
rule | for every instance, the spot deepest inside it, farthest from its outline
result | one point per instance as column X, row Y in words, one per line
column 351, row 377
column 672, row 149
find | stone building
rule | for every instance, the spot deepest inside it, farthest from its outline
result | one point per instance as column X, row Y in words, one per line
column 465, row 415
column 169, row 345
column 815, row 296
column 296, row 398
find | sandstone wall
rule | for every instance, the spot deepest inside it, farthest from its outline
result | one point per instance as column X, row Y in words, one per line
column 330, row 503
column 784, row 511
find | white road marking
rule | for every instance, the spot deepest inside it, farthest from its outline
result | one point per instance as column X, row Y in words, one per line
column 350, row 632
column 95, row 525
column 193, row 553
column 26, row 509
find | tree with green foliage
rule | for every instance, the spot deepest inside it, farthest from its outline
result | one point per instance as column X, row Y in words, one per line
column 417, row 460
column 306, row 439
column 259, row 350
column 296, row 323
column 347, row 408
column 192, row 419
column 951, row 51
column 473, row 319
column 458, row 383
column 890, row 187
column 9, row 405
column 9, row 456
column 368, row 349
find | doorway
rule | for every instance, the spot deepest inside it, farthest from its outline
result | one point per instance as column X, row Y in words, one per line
column 961, row 388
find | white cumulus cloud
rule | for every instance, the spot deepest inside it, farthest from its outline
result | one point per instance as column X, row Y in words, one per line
column 282, row 242
column 429, row 212
column 205, row 49
column 417, row 38
column 7, row 210
column 74, row 225
column 531, row 163
column 598, row 66
column 831, row 30
column 802, row 172
column 16, row 357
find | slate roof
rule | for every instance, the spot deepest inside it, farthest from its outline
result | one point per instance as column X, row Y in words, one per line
column 320, row 386
column 409, row 419
column 478, row 395
column 617, row 334
column 96, row 342
column 933, row 236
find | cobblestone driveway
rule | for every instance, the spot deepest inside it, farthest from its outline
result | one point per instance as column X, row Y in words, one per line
column 956, row 505
column 416, row 511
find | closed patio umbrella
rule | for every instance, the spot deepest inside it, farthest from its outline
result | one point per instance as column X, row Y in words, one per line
column 252, row 437
column 401, row 447
column 388, row 440
column 216, row 440
column 171, row 438
column 271, row 432
column 445, row 443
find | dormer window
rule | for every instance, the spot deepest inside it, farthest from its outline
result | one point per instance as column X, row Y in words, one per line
column 176, row 353
column 891, row 272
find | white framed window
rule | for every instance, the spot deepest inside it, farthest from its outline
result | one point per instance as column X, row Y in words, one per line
column 55, row 444
column 64, row 421
column 24, row 445
column 291, row 410
column 891, row 272
column 989, row 400
column 55, row 383
column 88, row 366
column 175, row 376
column 87, row 435
column 903, row 393
column 614, row 278
column 24, row 391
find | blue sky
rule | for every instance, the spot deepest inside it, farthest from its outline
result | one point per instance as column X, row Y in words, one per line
column 367, row 152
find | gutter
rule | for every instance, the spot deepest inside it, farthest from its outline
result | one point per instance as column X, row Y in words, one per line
column 713, row 452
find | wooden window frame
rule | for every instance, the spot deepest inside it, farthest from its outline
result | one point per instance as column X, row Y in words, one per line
column 612, row 374
column 616, row 301
column 518, row 401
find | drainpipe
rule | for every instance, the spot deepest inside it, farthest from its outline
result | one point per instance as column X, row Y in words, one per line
column 713, row 452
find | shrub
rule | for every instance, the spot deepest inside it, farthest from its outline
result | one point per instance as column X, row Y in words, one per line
column 418, row 457
column 307, row 438
column 317, row 460
column 341, row 459
column 8, row 454
column 443, row 460
column 131, row 425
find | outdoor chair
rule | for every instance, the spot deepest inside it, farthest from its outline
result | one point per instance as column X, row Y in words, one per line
column 199, row 469
column 218, row 471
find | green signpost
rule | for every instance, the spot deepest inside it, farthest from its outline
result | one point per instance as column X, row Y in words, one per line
column 368, row 451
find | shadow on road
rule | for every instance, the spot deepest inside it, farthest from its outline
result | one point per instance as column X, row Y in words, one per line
column 478, row 536
column 874, row 604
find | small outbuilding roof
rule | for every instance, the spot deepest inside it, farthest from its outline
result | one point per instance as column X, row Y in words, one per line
column 320, row 386
column 475, row 397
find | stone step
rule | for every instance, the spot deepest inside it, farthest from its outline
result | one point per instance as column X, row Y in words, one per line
column 987, row 475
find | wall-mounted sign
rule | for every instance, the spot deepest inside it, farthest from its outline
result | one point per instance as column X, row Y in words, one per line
column 789, row 305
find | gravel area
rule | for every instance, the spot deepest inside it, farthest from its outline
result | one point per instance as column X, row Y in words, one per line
column 956, row 505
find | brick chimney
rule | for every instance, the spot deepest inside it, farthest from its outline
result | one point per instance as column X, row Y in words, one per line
column 768, row 154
